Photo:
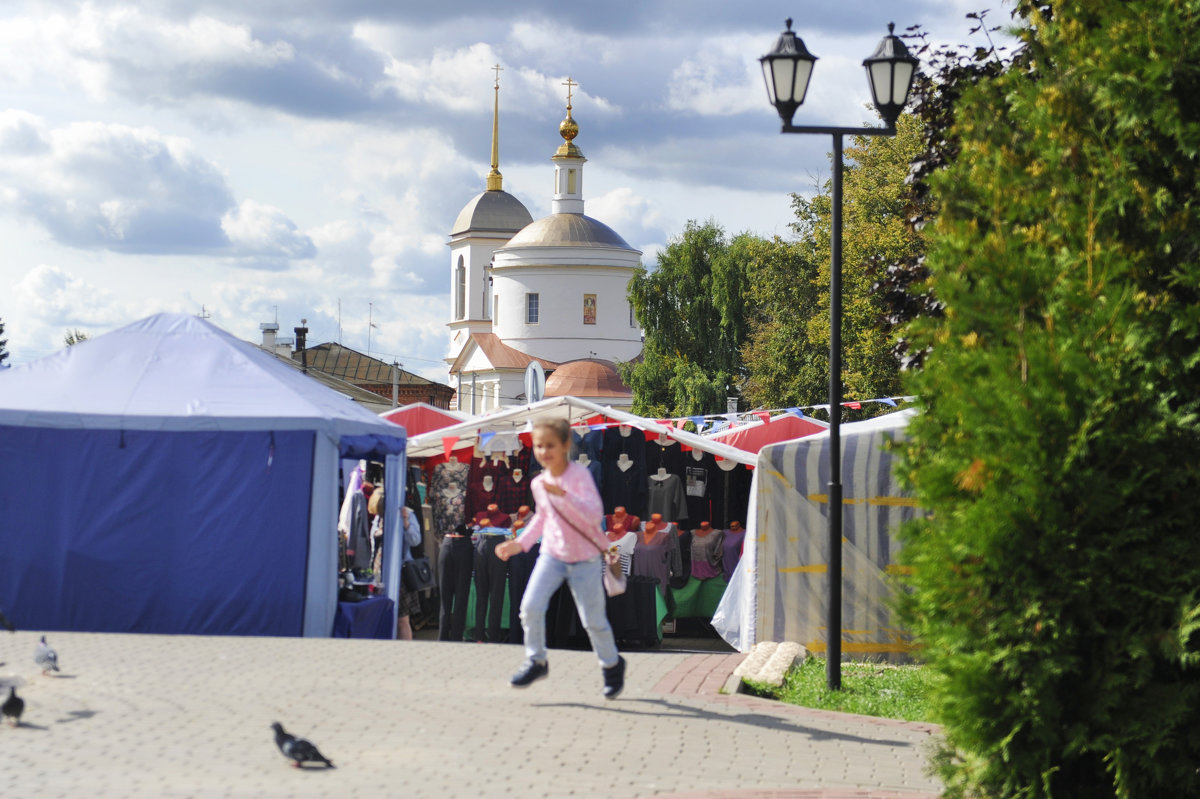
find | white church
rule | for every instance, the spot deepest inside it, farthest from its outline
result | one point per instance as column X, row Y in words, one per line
column 551, row 291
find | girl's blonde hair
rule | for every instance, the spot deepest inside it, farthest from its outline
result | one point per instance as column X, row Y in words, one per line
column 558, row 427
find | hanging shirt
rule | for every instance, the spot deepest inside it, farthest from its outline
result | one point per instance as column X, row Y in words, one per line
column 449, row 498
column 706, row 555
column 667, row 497
column 625, row 487
column 731, row 547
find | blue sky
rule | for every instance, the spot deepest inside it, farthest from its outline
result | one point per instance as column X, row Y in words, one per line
column 267, row 160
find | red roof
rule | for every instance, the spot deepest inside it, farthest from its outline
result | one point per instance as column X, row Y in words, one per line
column 420, row 418
column 754, row 437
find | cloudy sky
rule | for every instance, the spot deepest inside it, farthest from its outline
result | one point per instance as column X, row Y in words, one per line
column 267, row 160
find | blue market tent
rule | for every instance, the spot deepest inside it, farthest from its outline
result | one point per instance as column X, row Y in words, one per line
column 168, row 477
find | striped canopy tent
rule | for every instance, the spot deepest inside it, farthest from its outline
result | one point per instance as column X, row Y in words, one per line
column 781, row 587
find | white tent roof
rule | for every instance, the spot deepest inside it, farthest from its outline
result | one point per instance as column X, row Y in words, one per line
column 175, row 372
column 575, row 411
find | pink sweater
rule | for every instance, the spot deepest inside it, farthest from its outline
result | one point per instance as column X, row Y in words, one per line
column 581, row 505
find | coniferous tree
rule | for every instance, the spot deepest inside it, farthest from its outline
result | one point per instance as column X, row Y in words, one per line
column 1055, row 584
column 3, row 344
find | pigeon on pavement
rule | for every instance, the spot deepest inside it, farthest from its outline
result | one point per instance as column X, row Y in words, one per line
column 13, row 707
column 45, row 657
column 299, row 750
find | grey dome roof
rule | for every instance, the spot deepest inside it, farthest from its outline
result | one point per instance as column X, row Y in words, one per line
column 492, row 210
column 574, row 230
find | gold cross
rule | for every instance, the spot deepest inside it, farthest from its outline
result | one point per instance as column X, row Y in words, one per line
column 570, row 84
column 498, row 69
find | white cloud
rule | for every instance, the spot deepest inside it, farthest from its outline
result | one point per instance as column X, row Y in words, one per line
column 255, row 229
column 93, row 185
column 719, row 79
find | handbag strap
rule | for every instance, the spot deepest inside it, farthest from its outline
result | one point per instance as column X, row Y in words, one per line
column 574, row 526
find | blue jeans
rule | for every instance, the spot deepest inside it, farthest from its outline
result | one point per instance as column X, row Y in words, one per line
column 586, row 582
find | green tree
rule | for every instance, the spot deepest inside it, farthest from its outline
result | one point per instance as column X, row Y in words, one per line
column 1055, row 583
column 74, row 336
column 692, row 310
column 787, row 354
column 3, row 344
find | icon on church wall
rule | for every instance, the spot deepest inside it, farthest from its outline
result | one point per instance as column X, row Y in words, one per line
column 589, row 309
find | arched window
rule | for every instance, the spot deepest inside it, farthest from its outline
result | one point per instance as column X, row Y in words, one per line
column 460, row 290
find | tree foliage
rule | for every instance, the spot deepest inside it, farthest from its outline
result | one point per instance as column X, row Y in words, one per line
column 1055, row 584
column 692, row 309
column 787, row 355
column 74, row 336
column 3, row 344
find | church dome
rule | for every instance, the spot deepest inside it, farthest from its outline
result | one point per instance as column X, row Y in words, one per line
column 569, row 230
column 586, row 377
column 492, row 210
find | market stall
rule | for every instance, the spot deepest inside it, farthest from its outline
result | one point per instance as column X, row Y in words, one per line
column 780, row 590
column 676, row 492
column 168, row 477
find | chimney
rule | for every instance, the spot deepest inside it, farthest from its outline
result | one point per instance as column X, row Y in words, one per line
column 301, row 344
column 269, row 329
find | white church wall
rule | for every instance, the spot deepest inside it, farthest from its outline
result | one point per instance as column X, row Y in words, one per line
column 561, row 333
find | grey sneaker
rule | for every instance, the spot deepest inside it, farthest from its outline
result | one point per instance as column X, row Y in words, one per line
column 530, row 670
column 614, row 679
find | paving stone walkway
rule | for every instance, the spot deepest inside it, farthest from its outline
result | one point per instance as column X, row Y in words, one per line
column 183, row 716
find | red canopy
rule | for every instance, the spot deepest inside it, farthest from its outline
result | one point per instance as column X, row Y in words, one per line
column 753, row 437
column 421, row 417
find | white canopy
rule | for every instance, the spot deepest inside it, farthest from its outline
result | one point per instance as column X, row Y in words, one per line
column 575, row 411
column 174, row 372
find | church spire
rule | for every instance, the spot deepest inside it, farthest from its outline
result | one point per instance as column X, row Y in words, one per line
column 495, row 181
column 568, row 128
column 568, row 165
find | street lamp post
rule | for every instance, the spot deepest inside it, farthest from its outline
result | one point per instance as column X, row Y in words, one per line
column 890, row 71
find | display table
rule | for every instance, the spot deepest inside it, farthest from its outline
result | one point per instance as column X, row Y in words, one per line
column 699, row 598
column 371, row 618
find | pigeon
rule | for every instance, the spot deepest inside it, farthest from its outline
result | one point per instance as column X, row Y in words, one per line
column 13, row 707
column 6, row 624
column 299, row 750
column 45, row 657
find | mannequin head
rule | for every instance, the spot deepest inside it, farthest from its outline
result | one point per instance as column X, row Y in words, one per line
column 735, row 527
column 704, row 529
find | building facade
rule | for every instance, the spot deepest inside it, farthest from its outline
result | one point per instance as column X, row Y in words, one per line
column 552, row 291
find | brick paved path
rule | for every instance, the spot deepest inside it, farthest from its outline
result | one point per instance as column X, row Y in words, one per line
column 179, row 716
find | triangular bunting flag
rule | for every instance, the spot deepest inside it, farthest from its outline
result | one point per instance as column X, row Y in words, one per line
column 679, row 423
column 855, row 405
column 799, row 414
column 763, row 415
column 697, row 420
column 448, row 443
column 888, row 401
column 485, row 437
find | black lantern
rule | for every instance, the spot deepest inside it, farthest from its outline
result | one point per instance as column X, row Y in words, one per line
column 890, row 71
column 786, row 69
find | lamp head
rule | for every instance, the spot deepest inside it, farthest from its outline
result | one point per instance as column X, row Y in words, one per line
column 786, row 70
column 890, row 72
